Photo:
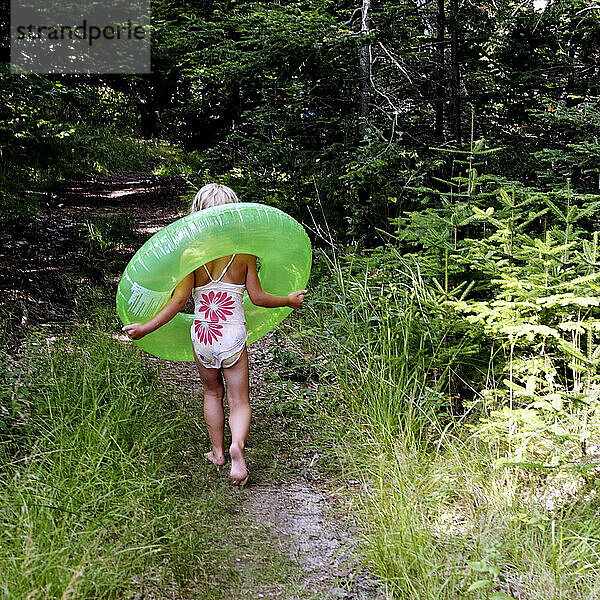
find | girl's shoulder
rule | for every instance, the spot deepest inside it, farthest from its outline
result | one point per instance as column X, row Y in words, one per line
column 238, row 270
column 245, row 258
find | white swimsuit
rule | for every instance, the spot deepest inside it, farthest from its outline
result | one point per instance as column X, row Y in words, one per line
column 219, row 330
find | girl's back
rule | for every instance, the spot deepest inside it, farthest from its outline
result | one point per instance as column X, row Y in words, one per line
column 235, row 273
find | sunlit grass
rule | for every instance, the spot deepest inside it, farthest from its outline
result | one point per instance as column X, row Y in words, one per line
column 440, row 518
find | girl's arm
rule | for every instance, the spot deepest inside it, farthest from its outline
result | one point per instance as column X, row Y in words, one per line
column 261, row 298
column 178, row 300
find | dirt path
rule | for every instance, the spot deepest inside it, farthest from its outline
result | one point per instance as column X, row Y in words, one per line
column 288, row 498
column 41, row 257
column 298, row 506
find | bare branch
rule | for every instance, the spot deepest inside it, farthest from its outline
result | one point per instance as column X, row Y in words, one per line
column 396, row 62
column 357, row 11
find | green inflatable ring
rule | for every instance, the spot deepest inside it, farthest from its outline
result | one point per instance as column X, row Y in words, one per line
column 167, row 257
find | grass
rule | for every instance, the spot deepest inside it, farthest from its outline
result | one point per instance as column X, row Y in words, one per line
column 440, row 526
column 441, row 518
column 104, row 493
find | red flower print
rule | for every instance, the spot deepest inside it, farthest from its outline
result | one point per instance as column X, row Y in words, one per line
column 207, row 332
column 216, row 306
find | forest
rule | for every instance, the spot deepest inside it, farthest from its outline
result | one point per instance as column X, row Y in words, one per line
column 440, row 385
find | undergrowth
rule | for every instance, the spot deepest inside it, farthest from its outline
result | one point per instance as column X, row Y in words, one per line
column 447, row 511
column 89, row 480
column 463, row 358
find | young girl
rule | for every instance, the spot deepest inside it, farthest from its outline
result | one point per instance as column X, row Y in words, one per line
column 219, row 335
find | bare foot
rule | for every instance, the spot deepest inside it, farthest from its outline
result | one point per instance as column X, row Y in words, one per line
column 216, row 459
column 239, row 472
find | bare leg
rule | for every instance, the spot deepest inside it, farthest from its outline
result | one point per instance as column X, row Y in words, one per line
column 238, row 399
column 213, row 412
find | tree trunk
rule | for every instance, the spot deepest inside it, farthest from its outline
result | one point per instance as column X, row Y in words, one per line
column 365, row 67
column 441, row 69
column 455, row 73
column 363, row 192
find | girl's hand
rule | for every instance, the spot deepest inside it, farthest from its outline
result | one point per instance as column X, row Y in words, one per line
column 135, row 331
column 295, row 299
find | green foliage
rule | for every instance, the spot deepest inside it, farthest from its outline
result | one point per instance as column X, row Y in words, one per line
column 518, row 265
column 268, row 99
column 395, row 362
column 55, row 128
column 104, row 242
column 83, row 463
column 544, row 316
column 103, row 234
column 441, row 518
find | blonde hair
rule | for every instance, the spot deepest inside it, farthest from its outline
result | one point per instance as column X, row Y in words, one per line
column 213, row 194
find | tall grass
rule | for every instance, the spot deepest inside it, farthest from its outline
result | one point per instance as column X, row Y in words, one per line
column 374, row 326
column 94, row 500
column 441, row 520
